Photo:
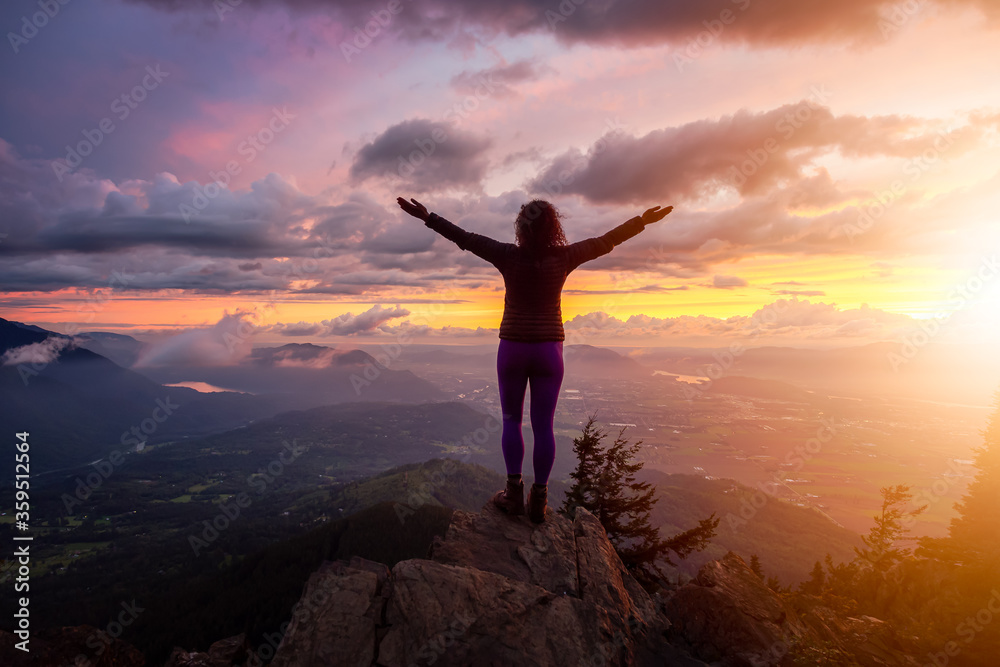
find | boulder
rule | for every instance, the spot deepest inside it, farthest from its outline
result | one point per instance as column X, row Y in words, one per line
column 335, row 621
column 496, row 590
column 223, row 653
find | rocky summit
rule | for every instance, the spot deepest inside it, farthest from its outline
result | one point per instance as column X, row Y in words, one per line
column 500, row 591
column 496, row 590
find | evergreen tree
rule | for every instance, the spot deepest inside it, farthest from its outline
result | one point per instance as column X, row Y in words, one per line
column 816, row 582
column 755, row 566
column 841, row 586
column 585, row 492
column 974, row 535
column 882, row 549
column 604, row 483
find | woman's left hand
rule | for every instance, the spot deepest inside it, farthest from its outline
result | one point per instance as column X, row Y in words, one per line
column 655, row 214
column 416, row 209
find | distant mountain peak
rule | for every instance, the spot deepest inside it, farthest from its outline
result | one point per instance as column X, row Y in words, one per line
column 300, row 347
column 600, row 361
column 16, row 334
column 32, row 327
column 108, row 335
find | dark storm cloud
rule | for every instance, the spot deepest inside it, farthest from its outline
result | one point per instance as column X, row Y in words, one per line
column 84, row 214
column 423, row 155
column 764, row 23
column 83, row 232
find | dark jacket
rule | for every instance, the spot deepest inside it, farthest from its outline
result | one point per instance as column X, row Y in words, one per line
column 532, row 309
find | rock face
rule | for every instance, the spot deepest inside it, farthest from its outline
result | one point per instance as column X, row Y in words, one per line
column 340, row 617
column 499, row 591
column 495, row 591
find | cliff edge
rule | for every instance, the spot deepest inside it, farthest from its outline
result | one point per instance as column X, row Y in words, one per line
column 501, row 591
column 496, row 590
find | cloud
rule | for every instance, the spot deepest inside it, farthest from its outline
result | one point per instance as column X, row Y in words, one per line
column 42, row 352
column 763, row 23
column 424, row 156
column 752, row 152
column 728, row 282
column 381, row 328
column 791, row 319
column 272, row 238
column 86, row 214
column 649, row 289
column 225, row 343
column 347, row 324
column 804, row 292
column 91, row 233
column 499, row 79
column 298, row 329
column 407, row 328
column 298, row 358
column 408, row 236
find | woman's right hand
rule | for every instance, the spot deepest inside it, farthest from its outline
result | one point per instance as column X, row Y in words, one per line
column 655, row 214
column 416, row 209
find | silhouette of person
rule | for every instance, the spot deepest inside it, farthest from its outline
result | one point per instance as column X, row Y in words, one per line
column 534, row 270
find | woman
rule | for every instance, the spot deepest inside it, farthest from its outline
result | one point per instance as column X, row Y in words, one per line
column 531, row 331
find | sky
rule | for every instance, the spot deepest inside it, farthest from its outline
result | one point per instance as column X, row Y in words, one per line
column 169, row 166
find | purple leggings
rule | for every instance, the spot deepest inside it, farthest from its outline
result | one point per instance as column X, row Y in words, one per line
column 541, row 364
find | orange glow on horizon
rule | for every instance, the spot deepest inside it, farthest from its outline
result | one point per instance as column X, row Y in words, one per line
column 849, row 282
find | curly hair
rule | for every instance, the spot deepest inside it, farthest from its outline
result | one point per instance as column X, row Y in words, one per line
column 539, row 226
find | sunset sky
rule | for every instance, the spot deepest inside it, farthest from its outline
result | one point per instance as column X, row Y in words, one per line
column 774, row 128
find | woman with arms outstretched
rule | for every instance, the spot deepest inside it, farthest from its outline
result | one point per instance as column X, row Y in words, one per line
column 534, row 270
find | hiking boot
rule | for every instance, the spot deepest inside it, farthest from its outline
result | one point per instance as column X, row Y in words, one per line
column 511, row 499
column 537, row 500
